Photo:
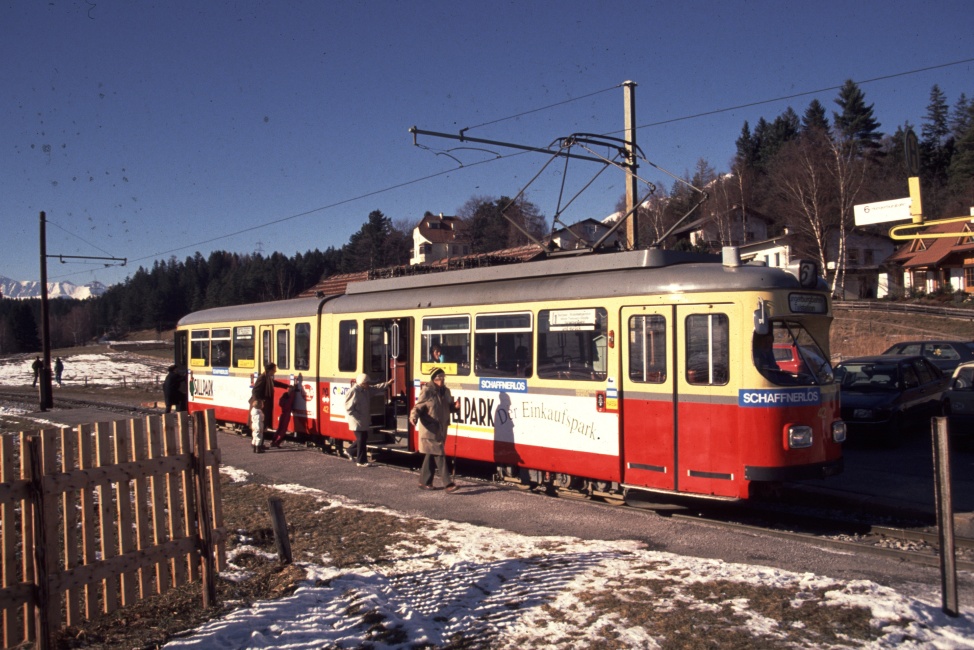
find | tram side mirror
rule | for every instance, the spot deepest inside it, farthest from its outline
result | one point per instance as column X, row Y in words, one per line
column 762, row 327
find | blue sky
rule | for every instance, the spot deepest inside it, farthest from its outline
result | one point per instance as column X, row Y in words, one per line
column 150, row 130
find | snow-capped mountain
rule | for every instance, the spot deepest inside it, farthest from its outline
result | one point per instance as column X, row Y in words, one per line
column 19, row 290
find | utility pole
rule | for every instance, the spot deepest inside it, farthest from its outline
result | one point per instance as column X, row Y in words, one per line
column 632, row 191
column 46, row 386
column 46, row 397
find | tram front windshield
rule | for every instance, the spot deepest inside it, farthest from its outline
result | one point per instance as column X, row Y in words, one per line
column 789, row 356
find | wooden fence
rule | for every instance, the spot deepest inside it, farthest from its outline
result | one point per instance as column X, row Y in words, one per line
column 96, row 517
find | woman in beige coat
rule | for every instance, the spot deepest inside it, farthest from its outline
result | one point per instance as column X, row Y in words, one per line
column 431, row 416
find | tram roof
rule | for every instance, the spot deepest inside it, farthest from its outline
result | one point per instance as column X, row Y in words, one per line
column 643, row 272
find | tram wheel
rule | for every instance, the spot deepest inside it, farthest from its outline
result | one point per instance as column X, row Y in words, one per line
column 566, row 493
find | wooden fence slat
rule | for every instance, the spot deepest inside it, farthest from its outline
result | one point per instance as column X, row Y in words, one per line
column 204, row 525
column 106, row 523
column 8, row 540
column 215, row 494
column 183, row 433
column 70, row 504
column 27, row 535
column 123, row 507
column 89, row 517
column 174, row 499
column 137, row 447
column 163, row 571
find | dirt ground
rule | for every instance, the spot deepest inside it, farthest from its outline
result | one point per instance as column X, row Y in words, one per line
column 350, row 537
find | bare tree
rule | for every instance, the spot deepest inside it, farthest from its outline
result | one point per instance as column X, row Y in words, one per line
column 848, row 171
column 801, row 185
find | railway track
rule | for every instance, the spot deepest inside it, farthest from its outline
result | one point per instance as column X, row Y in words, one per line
column 905, row 544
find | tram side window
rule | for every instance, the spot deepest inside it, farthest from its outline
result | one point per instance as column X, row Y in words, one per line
column 283, row 349
column 450, row 337
column 265, row 345
column 377, row 353
column 347, row 343
column 199, row 348
column 302, row 346
column 572, row 344
column 707, row 349
column 220, row 348
column 647, row 349
column 503, row 345
column 243, row 347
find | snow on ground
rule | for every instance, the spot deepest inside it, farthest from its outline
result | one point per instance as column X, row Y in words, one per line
column 471, row 578
column 107, row 369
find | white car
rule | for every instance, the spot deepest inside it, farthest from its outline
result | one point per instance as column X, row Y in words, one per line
column 959, row 401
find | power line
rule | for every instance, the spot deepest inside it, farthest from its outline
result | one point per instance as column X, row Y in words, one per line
column 499, row 157
column 802, row 94
column 542, row 108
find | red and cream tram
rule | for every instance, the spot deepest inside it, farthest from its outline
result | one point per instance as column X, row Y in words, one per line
column 644, row 370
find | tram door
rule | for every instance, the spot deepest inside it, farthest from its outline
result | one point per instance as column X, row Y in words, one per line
column 648, row 408
column 387, row 357
column 707, row 440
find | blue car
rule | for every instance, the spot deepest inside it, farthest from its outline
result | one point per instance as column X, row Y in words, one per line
column 885, row 397
column 946, row 355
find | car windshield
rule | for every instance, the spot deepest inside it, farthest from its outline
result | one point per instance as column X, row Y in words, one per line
column 867, row 377
column 789, row 356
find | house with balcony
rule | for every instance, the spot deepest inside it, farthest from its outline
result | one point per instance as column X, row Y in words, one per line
column 437, row 237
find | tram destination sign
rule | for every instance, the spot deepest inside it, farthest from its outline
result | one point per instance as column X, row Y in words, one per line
column 882, row 211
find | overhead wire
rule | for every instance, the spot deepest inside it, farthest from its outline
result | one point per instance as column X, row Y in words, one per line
column 502, row 156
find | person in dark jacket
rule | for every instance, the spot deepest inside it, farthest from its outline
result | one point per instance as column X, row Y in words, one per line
column 58, row 369
column 431, row 416
column 263, row 390
column 36, row 366
column 174, row 389
column 287, row 407
column 360, row 417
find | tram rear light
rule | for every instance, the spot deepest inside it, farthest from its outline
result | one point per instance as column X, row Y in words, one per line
column 799, row 436
column 838, row 431
column 612, row 338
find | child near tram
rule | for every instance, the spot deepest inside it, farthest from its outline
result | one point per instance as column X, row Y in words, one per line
column 257, row 424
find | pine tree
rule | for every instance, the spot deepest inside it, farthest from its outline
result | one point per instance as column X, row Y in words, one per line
column 961, row 118
column 747, row 148
column 935, row 129
column 961, row 170
column 814, row 117
column 856, row 123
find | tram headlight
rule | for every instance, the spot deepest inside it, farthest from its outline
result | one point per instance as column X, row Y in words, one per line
column 799, row 436
column 838, row 431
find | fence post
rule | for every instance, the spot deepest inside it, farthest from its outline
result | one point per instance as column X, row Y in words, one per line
column 279, row 524
column 36, row 490
column 204, row 540
column 945, row 516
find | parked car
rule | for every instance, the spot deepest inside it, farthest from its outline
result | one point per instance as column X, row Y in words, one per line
column 887, row 396
column 946, row 355
column 958, row 403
